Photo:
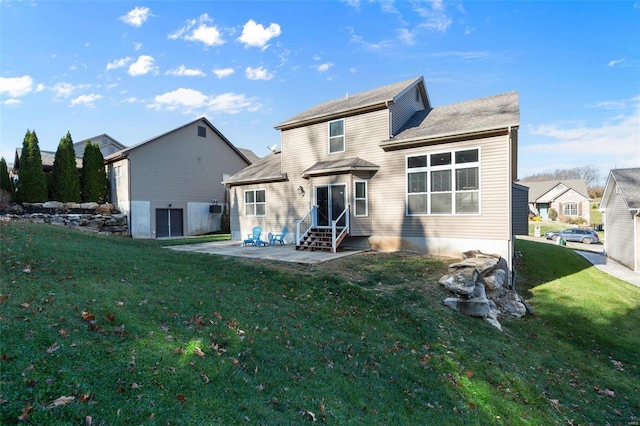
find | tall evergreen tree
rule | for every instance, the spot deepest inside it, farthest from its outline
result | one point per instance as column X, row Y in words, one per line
column 65, row 182
column 32, row 184
column 94, row 181
column 5, row 180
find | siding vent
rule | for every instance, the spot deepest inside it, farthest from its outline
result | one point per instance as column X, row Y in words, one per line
column 202, row 131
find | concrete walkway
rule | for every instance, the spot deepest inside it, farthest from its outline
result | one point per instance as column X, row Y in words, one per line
column 286, row 253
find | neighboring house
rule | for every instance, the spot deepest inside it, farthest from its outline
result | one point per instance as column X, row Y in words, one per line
column 47, row 157
column 568, row 197
column 621, row 216
column 391, row 172
column 171, row 185
column 107, row 144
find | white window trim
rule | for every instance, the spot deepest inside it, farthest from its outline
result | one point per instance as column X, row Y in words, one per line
column 366, row 198
column 344, row 136
column 255, row 203
column 453, row 167
column 567, row 204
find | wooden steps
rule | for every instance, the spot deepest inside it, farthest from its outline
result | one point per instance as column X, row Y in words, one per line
column 319, row 239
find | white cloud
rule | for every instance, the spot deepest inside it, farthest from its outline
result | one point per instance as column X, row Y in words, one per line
column 40, row 87
column 434, row 14
column 188, row 101
column 223, row 72
column 324, row 67
column 64, row 90
column 137, row 16
column 86, row 99
column 142, row 66
column 615, row 62
column 11, row 102
column 256, row 35
column 481, row 54
column 118, row 63
column 406, row 36
column 198, row 30
column 184, row 71
column 131, row 100
column 137, row 46
column 16, row 86
column 259, row 73
column 615, row 142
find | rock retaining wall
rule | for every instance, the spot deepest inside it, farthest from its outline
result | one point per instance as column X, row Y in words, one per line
column 91, row 217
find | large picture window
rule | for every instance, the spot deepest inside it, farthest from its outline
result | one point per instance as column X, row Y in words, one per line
column 255, row 202
column 336, row 136
column 444, row 183
column 570, row 209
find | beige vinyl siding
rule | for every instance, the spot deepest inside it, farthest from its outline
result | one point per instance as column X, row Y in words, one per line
column 404, row 108
column 119, row 192
column 619, row 230
column 571, row 196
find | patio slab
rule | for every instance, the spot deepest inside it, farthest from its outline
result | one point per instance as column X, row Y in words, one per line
column 286, row 253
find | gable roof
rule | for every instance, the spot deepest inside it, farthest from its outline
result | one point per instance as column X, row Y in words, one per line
column 628, row 180
column 369, row 100
column 250, row 155
column 96, row 139
column 266, row 169
column 123, row 153
column 538, row 189
column 460, row 119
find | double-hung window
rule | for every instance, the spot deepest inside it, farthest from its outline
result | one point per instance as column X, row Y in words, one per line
column 336, row 136
column 446, row 182
column 117, row 176
column 255, row 202
column 570, row 209
column 360, row 200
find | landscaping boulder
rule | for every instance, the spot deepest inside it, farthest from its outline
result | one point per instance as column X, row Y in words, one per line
column 461, row 281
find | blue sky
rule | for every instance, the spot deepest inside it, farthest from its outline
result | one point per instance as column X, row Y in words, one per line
column 135, row 70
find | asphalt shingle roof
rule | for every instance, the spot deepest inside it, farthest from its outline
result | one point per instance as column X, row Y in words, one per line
column 538, row 188
column 629, row 182
column 265, row 169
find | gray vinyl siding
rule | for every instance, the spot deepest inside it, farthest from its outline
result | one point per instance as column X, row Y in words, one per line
column 619, row 230
column 404, row 108
column 179, row 168
column 303, row 147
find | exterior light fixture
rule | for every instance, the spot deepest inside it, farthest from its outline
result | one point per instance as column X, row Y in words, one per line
column 301, row 190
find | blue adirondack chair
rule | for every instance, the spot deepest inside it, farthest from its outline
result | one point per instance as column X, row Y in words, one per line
column 278, row 238
column 254, row 238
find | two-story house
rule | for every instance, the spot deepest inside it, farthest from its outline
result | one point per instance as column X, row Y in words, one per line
column 384, row 169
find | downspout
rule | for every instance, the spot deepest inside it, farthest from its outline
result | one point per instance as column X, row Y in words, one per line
column 386, row 104
column 636, row 241
column 511, row 240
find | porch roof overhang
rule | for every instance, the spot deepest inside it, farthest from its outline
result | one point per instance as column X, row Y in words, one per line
column 261, row 179
column 346, row 165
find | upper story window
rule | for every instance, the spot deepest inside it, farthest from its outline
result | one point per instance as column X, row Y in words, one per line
column 255, row 202
column 443, row 183
column 336, row 136
column 202, row 131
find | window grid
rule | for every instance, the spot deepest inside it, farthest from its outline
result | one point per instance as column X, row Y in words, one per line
column 255, row 202
column 336, row 136
column 444, row 183
column 570, row 209
column 360, row 199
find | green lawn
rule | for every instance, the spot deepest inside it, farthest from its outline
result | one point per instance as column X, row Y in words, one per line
column 127, row 332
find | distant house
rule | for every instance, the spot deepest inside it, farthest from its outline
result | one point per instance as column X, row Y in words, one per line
column 384, row 169
column 171, row 185
column 621, row 216
column 567, row 197
column 107, row 144
column 47, row 157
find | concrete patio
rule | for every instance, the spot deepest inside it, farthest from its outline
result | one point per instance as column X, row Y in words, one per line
column 286, row 253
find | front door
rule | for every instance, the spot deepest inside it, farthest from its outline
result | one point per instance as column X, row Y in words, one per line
column 331, row 202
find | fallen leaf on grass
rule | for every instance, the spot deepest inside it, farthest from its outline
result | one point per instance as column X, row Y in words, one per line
column 605, row 392
column 51, row 349
column 119, row 303
column 178, row 351
column 88, row 420
column 309, row 415
column 469, row 374
column 25, row 413
column 25, row 305
column 88, row 316
column 4, row 299
column 198, row 352
column 63, row 400
column 180, row 397
column 63, row 333
column 110, row 317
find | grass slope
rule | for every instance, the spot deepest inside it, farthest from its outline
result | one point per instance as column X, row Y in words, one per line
column 131, row 333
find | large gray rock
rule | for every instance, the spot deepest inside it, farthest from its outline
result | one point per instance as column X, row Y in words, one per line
column 484, row 265
column 495, row 280
column 473, row 307
column 511, row 304
column 53, row 205
column 462, row 281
